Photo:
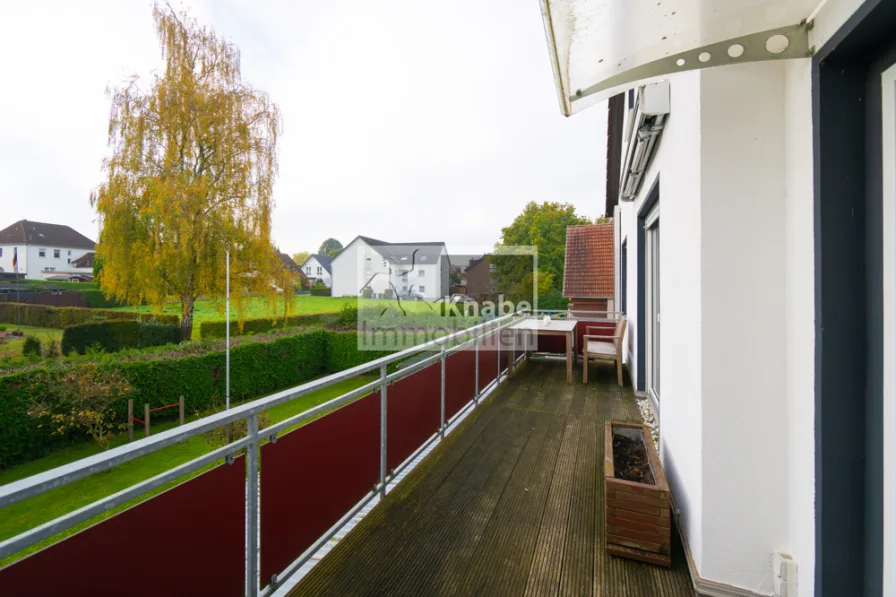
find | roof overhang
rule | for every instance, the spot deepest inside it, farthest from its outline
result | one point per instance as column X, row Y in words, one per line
column 602, row 47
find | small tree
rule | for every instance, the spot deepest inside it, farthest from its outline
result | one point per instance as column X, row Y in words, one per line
column 301, row 257
column 79, row 398
column 331, row 246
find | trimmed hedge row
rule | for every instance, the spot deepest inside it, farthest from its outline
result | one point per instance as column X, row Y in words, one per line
column 59, row 317
column 259, row 325
column 320, row 291
column 113, row 336
column 256, row 369
column 97, row 300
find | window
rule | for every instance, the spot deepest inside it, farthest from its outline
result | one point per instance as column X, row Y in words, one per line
column 56, row 253
column 421, row 289
column 69, row 260
column 69, row 252
column 41, row 252
column 423, row 258
column 49, row 269
column 623, row 278
column 422, row 273
column 404, row 288
column 369, row 259
column 308, row 270
column 1, row 251
column 319, row 270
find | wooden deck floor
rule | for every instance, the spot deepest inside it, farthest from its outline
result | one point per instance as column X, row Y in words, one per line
column 509, row 504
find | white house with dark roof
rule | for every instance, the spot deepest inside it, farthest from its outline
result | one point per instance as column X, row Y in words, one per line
column 46, row 251
column 421, row 268
column 317, row 268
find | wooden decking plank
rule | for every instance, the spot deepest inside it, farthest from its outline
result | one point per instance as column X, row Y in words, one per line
column 504, row 554
column 510, row 503
column 547, row 561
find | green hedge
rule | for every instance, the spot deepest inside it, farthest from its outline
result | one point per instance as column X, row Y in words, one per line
column 256, row 369
column 320, row 291
column 97, row 300
column 112, row 336
column 218, row 329
column 59, row 317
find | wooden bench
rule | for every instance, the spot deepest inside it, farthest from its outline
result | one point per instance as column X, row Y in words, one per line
column 603, row 347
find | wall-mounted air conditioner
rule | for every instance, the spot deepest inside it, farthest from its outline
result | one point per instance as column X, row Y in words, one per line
column 650, row 114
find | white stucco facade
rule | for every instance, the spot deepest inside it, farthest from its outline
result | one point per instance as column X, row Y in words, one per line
column 360, row 265
column 734, row 166
column 317, row 272
column 38, row 262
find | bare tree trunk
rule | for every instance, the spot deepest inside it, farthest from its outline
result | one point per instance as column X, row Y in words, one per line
column 186, row 317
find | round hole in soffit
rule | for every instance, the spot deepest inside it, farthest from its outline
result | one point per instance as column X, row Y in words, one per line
column 777, row 43
column 704, row 57
column 680, row 62
column 735, row 50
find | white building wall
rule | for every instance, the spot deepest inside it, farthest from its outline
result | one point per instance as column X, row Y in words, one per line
column 737, row 304
column 310, row 268
column 800, row 320
column 31, row 265
column 743, row 323
column 345, row 269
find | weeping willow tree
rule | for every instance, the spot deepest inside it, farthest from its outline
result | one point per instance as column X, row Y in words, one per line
column 191, row 174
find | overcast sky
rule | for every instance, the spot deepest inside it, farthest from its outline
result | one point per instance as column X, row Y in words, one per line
column 409, row 120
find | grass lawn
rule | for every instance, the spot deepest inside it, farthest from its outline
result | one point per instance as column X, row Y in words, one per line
column 30, row 513
column 213, row 310
column 13, row 347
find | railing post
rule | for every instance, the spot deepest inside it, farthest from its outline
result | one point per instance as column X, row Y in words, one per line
column 130, row 420
column 498, row 342
column 442, row 425
column 252, row 508
column 476, row 351
column 146, row 419
column 383, row 430
column 181, row 409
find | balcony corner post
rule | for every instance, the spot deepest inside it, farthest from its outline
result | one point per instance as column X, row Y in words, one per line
column 383, row 430
column 252, row 507
column 476, row 376
column 442, row 425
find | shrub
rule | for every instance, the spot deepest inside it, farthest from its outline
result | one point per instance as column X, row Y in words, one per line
column 112, row 336
column 218, row 329
column 552, row 300
column 82, row 398
column 31, row 346
column 2, row 328
column 59, row 317
column 320, row 289
column 348, row 318
column 257, row 369
column 51, row 348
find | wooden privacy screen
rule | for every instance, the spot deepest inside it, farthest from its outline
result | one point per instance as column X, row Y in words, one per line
column 312, row 476
column 189, row 540
column 414, row 413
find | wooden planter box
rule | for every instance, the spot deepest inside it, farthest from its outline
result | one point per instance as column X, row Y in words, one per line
column 636, row 515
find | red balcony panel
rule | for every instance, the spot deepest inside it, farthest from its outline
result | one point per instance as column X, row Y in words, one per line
column 413, row 414
column 312, row 476
column 189, row 540
column 488, row 365
column 460, row 381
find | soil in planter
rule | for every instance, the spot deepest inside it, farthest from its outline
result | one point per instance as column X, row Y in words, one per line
column 630, row 461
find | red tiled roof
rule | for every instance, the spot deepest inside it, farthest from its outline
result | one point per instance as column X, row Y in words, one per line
column 588, row 269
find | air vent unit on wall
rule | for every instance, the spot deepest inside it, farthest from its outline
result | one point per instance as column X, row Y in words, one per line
column 650, row 114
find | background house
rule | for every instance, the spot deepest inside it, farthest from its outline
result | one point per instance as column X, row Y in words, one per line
column 588, row 277
column 45, row 251
column 317, row 268
column 293, row 268
column 407, row 267
column 479, row 279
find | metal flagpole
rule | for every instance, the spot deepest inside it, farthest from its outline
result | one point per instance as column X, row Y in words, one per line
column 227, row 327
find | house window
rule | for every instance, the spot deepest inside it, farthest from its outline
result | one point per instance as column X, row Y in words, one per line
column 1, row 251
column 41, row 252
column 69, row 260
column 308, row 270
column 319, row 270
column 623, row 278
column 69, row 252
column 404, row 288
column 56, row 253
column 421, row 289
column 422, row 273
column 49, row 269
